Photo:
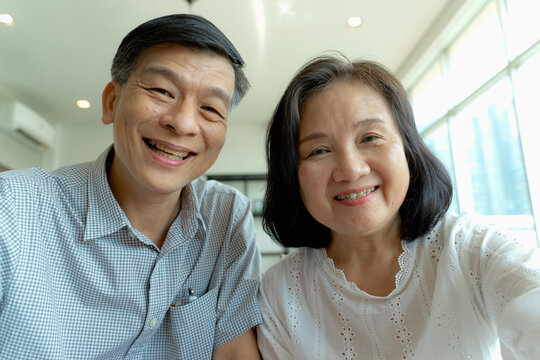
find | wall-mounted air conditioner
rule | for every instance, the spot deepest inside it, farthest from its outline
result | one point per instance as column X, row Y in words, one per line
column 18, row 118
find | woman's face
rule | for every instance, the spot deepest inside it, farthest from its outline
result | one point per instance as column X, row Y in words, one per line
column 352, row 169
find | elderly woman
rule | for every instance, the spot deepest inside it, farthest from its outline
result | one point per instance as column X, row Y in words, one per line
column 382, row 270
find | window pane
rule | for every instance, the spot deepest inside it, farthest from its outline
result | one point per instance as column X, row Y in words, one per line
column 488, row 160
column 476, row 56
column 522, row 26
column 526, row 92
column 439, row 142
column 429, row 98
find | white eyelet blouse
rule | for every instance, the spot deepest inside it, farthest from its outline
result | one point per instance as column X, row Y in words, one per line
column 459, row 290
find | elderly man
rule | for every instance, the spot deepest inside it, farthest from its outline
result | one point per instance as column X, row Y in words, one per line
column 133, row 256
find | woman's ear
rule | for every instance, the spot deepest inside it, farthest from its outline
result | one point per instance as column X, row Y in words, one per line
column 110, row 95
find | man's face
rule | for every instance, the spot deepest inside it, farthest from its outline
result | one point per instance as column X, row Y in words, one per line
column 170, row 119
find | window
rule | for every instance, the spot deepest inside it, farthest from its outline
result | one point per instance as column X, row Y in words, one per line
column 522, row 28
column 525, row 80
column 475, row 56
column 477, row 110
column 439, row 142
column 491, row 176
column 429, row 97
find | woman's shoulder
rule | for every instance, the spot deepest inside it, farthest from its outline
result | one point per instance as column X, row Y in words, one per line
column 467, row 221
column 473, row 236
column 288, row 268
column 469, row 229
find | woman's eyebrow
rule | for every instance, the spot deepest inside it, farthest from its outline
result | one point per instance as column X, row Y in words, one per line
column 360, row 123
column 310, row 137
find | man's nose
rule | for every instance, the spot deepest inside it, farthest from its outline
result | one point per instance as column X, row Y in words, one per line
column 182, row 118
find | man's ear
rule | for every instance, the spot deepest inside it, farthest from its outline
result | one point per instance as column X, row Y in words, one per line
column 110, row 95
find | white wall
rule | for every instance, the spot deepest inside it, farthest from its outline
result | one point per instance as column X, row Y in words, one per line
column 81, row 143
column 243, row 152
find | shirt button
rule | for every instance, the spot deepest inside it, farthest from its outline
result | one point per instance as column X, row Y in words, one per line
column 153, row 322
column 131, row 234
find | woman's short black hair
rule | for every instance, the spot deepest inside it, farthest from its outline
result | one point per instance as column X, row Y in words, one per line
column 285, row 217
column 189, row 30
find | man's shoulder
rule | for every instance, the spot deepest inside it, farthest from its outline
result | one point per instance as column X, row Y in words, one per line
column 215, row 192
column 211, row 187
column 19, row 180
column 22, row 174
column 34, row 179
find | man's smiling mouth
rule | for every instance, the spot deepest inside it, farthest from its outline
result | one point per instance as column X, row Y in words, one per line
column 166, row 152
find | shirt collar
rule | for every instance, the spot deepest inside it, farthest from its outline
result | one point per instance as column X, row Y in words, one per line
column 189, row 219
column 104, row 215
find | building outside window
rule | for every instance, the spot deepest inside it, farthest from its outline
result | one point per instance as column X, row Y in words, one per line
column 476, row 106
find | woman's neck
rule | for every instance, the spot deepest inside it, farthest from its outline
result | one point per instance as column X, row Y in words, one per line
column 369, row 262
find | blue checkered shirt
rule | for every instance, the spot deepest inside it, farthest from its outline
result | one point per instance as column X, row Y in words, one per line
column 77, row 281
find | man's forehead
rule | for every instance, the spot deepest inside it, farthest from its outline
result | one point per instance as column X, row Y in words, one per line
column 186, row 48
column 180, row 54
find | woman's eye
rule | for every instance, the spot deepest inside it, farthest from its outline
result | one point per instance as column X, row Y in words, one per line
column 370, row 138
column 317, row 152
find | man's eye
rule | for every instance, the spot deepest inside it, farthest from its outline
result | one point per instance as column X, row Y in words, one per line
column 161, row 91
column 211, row 109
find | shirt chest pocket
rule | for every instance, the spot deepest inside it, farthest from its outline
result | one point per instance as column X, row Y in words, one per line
column 194, row 320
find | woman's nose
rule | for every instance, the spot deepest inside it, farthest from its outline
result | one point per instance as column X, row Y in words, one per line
column 350, row 166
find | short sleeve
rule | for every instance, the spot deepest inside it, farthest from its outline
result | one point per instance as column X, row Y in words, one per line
column 237, row 308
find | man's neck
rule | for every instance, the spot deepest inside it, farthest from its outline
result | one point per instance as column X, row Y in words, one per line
column 149, row 212
column 153, row 219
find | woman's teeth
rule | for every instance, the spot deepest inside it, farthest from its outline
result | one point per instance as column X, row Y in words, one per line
column 354, row 196
column 166, row 152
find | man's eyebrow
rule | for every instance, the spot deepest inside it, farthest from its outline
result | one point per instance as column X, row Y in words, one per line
column 168, row 73
column 160, row 70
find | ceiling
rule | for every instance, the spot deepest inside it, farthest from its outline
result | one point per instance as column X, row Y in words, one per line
column 59, row 51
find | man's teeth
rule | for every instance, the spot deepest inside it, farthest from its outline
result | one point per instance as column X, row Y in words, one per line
column 166, row 152
column 353, row 196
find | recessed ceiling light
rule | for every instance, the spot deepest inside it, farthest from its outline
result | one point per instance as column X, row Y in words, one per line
column 6, row 19
column 83, row 104
column 284, row 8
column 354, row 21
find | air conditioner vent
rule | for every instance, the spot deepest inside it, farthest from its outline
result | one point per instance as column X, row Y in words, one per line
column 19, row 118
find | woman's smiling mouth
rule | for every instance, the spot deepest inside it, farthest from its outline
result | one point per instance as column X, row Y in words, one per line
column 354, row 196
